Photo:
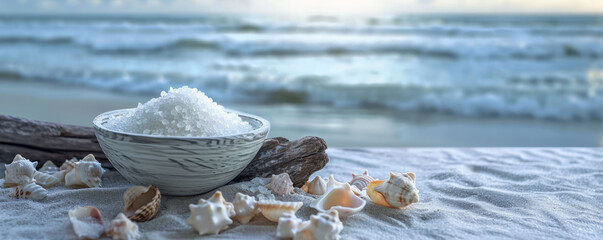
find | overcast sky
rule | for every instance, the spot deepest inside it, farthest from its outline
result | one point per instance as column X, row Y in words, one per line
column 302, row 6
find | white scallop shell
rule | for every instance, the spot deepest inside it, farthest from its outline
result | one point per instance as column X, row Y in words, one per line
column 316, row 186
column 86, row 173
column 49, row 168
column 244, row 207
column 280, row 184
column 332, row 183
column 399, row 190
column 361, row 180
column 87, row 222
column 45, row 180
column 323, row 226
column 209, row 216
column 288, row 224
column 273, row 210
column 123, row 229
column 31, row 191
column 19, row 172
column 341, row 199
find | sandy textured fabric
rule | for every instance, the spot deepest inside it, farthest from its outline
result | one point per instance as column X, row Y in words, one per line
column 465, row 193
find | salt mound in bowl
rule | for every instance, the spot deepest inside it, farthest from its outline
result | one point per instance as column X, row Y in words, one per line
column 181, row 112
column 142, row 144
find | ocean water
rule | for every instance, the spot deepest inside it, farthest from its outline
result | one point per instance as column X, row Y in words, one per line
column 547, row 67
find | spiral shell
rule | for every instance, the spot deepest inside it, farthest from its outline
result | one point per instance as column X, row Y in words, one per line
column 361, row 180
column 86, row 173
column 141, row 203
column 281, row 184
column 317, row 186
column 324, row 226
column 399, row 191
column 273, row 210
column 19, row 172
column 30, row 191
column 288, row 224
column 46, row 180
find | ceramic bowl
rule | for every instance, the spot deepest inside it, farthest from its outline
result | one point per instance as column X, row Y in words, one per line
column 180, row 165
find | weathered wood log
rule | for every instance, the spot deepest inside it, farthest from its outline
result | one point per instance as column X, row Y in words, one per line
column 41, row 141
column 299, row 158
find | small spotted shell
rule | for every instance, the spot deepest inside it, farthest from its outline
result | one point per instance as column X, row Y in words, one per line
column 30, row 191
column 141, row 203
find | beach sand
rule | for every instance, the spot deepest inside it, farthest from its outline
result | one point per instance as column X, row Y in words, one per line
column 545, row 193
column 340, row 127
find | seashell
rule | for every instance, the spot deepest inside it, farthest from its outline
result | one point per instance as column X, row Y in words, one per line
column 209, row 216
column 323, row 226
column 332, row 183
column 288, row 224
column 45, row 180
column 68, row 165
column 244, row 207
column 361, row 180
column 86, row 173
column 123, row 228
column 49, row 168
column 141, row 203
column 317, row 186
column 281, row 184
column 87, row 222
column 273, row 210
column 19, row 172
column 32, row 191
column 398, row 191
column 341, row 199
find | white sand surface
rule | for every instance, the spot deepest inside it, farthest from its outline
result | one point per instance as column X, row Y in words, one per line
column 545, row 193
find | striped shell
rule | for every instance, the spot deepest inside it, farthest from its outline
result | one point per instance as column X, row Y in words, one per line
column 141, row 203
column 361, row 180
column 273, row 210
column 281, row 184
column 30, row 191
column 45, row 179
column 399, row 191
column 19, row 172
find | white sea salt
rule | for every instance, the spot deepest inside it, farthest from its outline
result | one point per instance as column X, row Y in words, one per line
column 180, row 112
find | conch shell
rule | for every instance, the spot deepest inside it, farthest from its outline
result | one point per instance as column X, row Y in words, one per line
column 209, row 216
column 123, row 229
column 49, row 168
column 361, row 180
column 87, row 222
column 288, row 224
column 273, row 210
column 316, row 186
column 141, row 203
column 245, row 207
column 32, row 191
column 398, row 191
column 86, row 173
column 339, row 198
column 45, row 180
column 19, row 172
column 281, row 184
column 68, row 165
column 323, row 226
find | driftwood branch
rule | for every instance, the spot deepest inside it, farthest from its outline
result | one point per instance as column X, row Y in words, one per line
column 41, row 141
